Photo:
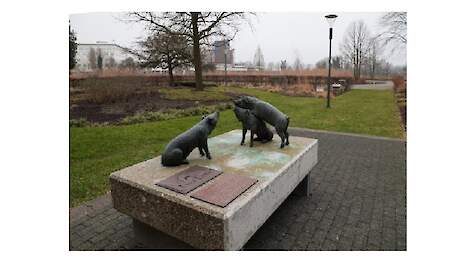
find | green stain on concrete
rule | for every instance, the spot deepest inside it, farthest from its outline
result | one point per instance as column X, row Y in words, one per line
column 262, row 160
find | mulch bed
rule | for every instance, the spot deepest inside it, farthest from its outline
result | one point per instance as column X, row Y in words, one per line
column 114, row 112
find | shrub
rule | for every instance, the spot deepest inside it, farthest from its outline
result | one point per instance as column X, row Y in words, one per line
column 82, row 122
column 173, row 113
column 398, row 83
column 193, row 84
column 189, row 94
column 110, row 90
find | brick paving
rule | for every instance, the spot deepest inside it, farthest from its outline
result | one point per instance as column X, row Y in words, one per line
column 358, row 202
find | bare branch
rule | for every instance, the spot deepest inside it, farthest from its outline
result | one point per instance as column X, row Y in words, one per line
column 395, row 30
column 199, row 28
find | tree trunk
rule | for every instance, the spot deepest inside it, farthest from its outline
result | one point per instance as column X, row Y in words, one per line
column 356, row 59
column 197, row 52
column 373, row 69
column 170, row 73
column 359, row 63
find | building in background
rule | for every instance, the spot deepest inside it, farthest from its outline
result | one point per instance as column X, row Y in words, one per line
column 219, row 52
column 258, row 59
column 216, row 55
column 113, row 55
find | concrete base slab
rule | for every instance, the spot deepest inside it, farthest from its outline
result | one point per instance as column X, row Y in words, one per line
column 153, row 239
column 303, row 189
column 203, row 225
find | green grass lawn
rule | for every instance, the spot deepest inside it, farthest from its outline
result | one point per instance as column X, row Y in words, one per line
column 95, row 152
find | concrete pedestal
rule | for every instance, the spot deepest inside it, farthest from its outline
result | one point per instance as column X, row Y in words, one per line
column 207, row 226
column 303, row 189
column 153, row 239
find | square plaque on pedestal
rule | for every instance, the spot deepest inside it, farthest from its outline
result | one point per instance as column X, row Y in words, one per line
column 224, row 189
column 189, row 179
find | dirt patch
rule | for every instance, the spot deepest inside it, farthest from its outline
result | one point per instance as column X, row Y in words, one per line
column 110, row 99
column 113, row 112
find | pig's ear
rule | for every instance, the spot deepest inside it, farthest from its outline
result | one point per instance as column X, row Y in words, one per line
column 212, row 120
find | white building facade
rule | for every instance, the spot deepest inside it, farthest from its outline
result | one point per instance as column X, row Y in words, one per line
column 111, row 53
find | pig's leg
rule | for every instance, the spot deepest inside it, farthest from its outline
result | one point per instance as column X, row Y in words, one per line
column 175, row 158
column 280, row 132
column 243, row 136
column 200, row 151
column 259, row 135
column 287, row 137
column 206, row 149
column 251, row 138
column 264, row 139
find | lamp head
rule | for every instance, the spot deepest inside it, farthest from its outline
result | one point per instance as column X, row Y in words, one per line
column 331, row 19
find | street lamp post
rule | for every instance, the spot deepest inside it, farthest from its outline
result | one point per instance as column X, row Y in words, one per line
column 331, row 20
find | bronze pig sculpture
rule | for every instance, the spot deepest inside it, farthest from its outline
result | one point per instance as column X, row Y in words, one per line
column 254, row 124
column 268, row 113
column 179, row 148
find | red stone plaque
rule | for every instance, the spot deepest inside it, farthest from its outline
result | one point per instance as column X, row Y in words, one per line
column 189, row 179
column 224, row 189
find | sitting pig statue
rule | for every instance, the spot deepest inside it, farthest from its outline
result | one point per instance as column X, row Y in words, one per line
column 180, row 147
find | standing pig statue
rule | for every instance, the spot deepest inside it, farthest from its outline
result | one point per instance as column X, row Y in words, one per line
column 268, row 113
column 254, row 124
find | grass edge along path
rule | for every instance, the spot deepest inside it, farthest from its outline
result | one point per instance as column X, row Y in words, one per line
column 95, row 152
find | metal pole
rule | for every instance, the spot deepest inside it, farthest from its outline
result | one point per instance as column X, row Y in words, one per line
column 329, row 71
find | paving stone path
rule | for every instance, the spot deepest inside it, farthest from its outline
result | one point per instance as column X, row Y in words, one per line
column 358, row 202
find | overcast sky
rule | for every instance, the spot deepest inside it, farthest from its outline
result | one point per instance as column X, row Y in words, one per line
column 280, row 35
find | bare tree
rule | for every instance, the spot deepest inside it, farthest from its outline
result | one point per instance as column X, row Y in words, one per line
column 208, row 59
column 166, row 51
column 356, row 45
column 270, row 66
column 386, row 68
column 337, row 62
column 128, row 63
column 298, row 65
column 372, row 58
column 394, row 24
column 283, row 65
column 322, row 64
column 99, row 60
column 258, row 59
column 197, row 27
column 72, row 48
column 110, row 62
column 92, row 58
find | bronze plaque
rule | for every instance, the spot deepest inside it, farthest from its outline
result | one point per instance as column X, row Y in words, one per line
column 224, row 189
column 189, row 179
